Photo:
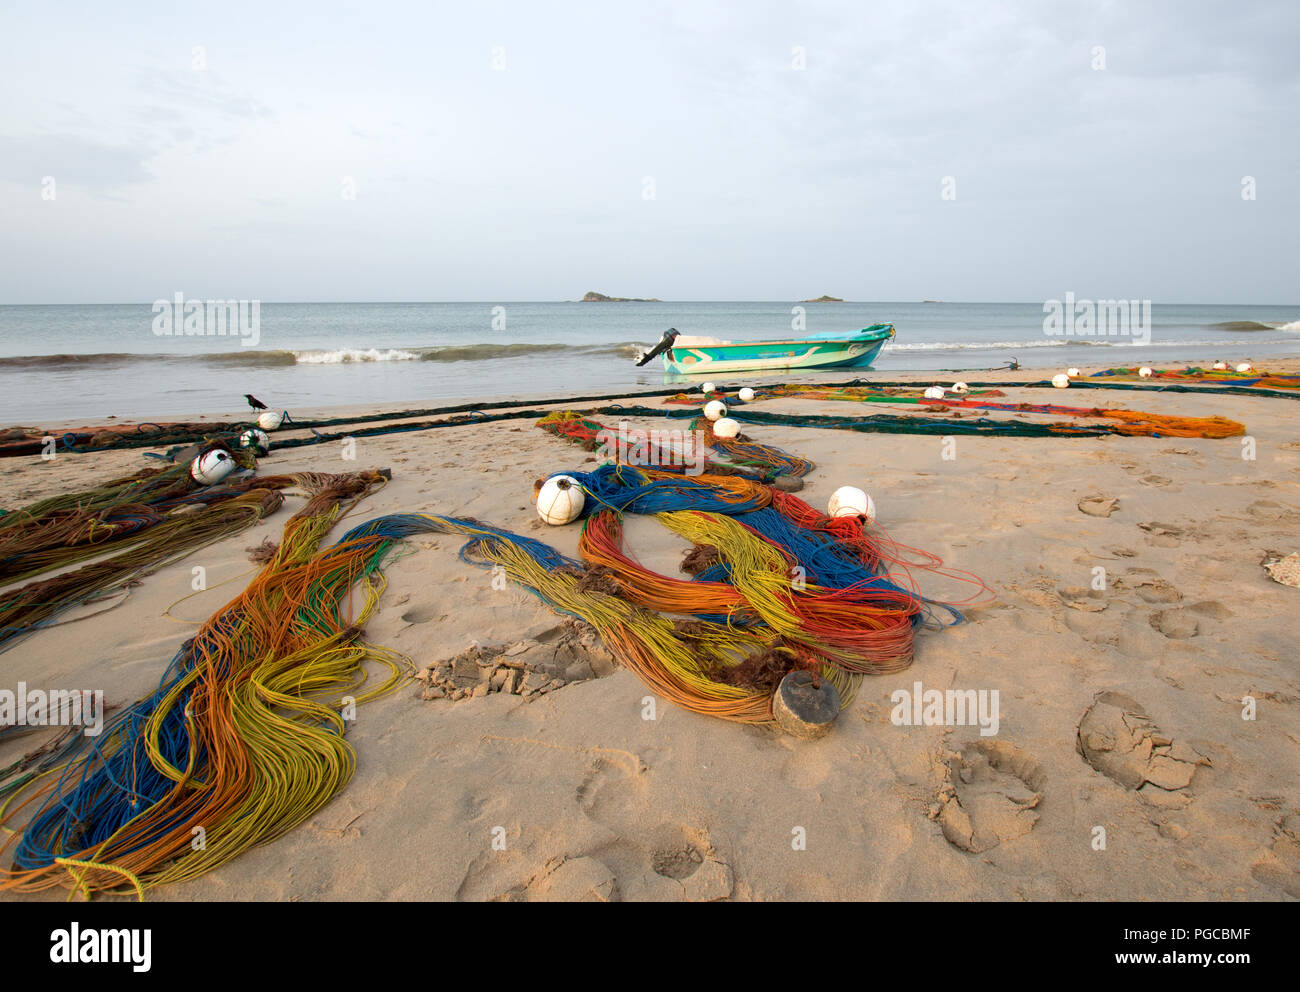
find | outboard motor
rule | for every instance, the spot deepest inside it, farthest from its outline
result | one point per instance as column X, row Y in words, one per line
column 664, row 344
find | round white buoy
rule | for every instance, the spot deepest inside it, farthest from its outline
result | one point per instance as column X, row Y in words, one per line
column 1220, row 366
column 806, row 705
column 212, row 466
column 1245, row 367
column 254, row 438
column 715, row 409
column 708, row 387
column 849, row 501
column 270, row 420
column 1146, row 372
column 747, row 394
column 960, row 388
column 934, row 393
column 1073, row 373
column 726, row 427
column 1061, row 380
column 560, row 500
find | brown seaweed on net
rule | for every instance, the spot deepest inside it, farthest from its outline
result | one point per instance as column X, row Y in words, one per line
column 260, row 554
column 700, row 558
column 600, row 579
column 759, row 672
column 691, row 630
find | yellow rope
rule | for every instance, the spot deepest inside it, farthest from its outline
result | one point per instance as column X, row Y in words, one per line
column 79, row 880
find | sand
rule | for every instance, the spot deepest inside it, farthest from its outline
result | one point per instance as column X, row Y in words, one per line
column 573, row 793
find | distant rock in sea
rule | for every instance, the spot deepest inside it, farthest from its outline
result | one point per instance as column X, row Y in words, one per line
column 825, row 299
column 595, row 297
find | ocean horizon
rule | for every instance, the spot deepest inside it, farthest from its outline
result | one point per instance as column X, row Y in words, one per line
column 139, row 360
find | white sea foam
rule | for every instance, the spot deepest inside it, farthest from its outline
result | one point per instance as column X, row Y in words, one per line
column 340, row 356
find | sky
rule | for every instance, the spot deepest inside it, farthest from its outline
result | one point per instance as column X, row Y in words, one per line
column 686, row 151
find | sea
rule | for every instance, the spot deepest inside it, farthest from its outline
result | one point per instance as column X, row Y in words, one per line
column 72, row 362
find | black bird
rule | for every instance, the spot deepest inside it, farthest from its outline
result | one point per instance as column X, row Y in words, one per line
column 254, row 402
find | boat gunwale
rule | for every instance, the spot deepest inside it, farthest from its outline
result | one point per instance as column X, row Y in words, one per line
column 771, row 342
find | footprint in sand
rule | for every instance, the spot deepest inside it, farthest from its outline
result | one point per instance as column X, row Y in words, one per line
column 1083, row 598
column 1177, row 625
column 989, row 796
column 1150, row 586
column 1099, row 506
column 1119, row 739
column 1279, row 865
column 1213, row 609
column 423, row 614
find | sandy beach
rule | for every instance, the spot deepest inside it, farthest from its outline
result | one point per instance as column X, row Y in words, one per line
column 564, row 790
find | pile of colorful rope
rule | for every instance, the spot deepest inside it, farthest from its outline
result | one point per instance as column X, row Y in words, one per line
column 777, row 586
column 243, row 738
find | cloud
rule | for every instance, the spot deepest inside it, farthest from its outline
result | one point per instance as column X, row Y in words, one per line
column 94, row 166
column 203, row 92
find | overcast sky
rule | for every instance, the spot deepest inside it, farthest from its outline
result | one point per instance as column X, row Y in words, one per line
column 650, row 149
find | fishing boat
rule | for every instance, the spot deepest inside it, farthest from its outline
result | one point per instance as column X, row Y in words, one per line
column 685, row 354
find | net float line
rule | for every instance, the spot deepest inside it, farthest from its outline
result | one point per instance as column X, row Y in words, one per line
column 742, row 450
column 757, row 460
column 848, row 393
column 62, row 530
column 131, row 539
column 1256, row 378
column 1134, row 423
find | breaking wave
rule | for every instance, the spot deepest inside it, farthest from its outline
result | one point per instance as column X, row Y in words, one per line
column 1257, row 325
column 270, row 358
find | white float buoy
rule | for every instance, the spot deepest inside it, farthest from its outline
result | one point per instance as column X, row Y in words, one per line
column 715, row 409
column 254, row 438
column 960, row 388
column 747, row 394
column 934, row 393
column 849, row 501
column 212, row 466
column 1245, row 367
column 1146, row 372
column 725, row 427
column 270, row 420
column 560, row 500
column 1220, row 366
column 1073, row 373
column 708, row 387
column 1061, row 380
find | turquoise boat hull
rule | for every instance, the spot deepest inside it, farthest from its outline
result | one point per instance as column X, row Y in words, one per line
column 855, row 349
